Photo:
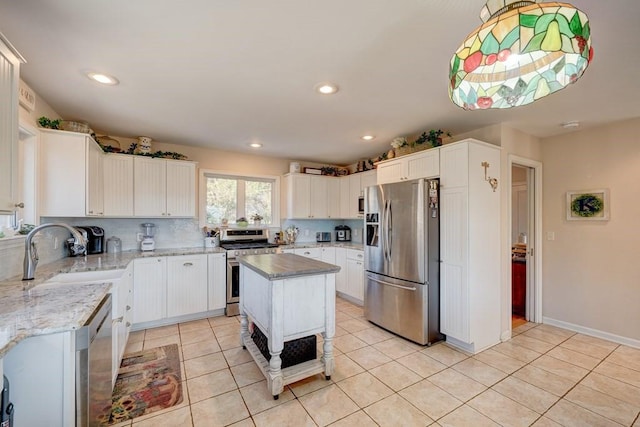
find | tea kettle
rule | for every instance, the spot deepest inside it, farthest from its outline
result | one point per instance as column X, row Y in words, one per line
column 114, row 245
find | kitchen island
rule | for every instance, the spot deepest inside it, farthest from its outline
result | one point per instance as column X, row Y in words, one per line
column 287, row 297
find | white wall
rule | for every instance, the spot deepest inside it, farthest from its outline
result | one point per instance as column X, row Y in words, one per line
column 589, row 271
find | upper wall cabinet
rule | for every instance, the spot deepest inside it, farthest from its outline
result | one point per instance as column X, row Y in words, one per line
column 118, row 185
column 164, row 188
column 424, row 164
column 323, row 197
column 10, row 61
column 307, row 196
column 71, row 175
column 78, row 179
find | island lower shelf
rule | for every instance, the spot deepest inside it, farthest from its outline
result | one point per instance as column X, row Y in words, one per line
column 289, row 375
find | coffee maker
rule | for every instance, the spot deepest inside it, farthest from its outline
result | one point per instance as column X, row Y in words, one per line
column 343, row 233
column 147, row 243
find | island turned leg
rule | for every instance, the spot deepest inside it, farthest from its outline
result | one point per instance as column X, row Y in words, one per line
column 244, row 328
column 327, row 356
column 276, row 379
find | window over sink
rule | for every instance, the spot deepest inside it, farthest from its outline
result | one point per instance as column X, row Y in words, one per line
column 226, row 196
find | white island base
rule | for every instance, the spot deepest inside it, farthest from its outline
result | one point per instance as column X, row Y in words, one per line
column 287, row 297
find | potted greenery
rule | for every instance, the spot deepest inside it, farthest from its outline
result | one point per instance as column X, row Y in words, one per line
column 433, row 138
column 242, row 222
column 256, row 218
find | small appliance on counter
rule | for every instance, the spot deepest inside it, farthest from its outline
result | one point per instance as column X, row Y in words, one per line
column 323, row 236
column 94, row 237
column 343, row 233
column 147, row 243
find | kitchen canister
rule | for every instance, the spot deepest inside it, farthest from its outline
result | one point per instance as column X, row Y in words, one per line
column 294, row 167
column 114, row 245
column 212, row 242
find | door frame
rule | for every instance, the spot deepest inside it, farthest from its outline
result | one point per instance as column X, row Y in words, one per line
column 534, row 298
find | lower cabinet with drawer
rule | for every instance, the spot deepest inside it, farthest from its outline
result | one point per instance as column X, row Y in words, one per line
column 350, row 279
column 172, row 289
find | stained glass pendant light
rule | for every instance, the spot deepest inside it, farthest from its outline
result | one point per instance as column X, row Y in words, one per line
column 524, row 51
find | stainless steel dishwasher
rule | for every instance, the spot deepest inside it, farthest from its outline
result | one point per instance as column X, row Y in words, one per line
column 93, row 367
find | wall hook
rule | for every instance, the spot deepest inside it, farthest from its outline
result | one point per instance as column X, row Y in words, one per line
column 493, row 182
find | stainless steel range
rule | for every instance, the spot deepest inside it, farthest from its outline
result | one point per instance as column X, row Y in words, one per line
column 238, row 242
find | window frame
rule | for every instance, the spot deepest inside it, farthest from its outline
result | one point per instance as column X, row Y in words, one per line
column 206, row 173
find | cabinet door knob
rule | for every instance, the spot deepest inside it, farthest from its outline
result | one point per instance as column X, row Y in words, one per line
column 19, row 205
column 188, row 264
column 128, row 307
column 119, row 319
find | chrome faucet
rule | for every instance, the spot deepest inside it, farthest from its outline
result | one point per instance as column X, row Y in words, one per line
column 31, row 253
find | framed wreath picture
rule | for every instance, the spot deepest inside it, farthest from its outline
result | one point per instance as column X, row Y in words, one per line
column 588, row 205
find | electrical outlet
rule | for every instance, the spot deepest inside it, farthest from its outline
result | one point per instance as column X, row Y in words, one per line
column 551, row 235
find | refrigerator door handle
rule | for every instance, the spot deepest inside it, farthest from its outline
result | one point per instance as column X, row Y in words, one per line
column 382, row 282
column 384, row 233
column 388, row 227
column 421, row 230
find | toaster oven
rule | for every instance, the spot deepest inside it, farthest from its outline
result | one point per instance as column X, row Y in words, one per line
column 323, row 236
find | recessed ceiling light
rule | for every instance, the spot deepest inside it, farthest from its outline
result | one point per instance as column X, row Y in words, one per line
column 368, row 137
column 255, row 145
column 105, row 79
column 571, row 125
column 326, row 88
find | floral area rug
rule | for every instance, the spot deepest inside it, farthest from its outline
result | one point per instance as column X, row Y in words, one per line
column 148, row 381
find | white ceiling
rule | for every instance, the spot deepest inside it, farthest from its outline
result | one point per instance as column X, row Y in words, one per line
column 222, row 74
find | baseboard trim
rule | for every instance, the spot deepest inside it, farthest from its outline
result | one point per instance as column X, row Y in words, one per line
column 592, row 332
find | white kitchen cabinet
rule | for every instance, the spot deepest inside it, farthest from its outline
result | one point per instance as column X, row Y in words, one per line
column 95, row 180
column 310, row 196
column 333, row 198
column 345, row 197
column 41, row 371
column 122, row 311
column 149, row 289
column 118, row 185
column 367, row 179
column 341, row 276
column 10, row 61
column 318, row 196
column 423, row 164
column 163, row 187
column 314, row 253
column 186, row 285
column 355, row 275
column 217, row 281
column 181, row 188
column 71, row 174
column 469, row 245
column 328, row 255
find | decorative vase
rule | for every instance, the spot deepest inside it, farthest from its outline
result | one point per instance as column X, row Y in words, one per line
column 144, row 144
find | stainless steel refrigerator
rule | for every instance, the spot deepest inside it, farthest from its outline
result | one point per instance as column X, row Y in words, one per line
column 402, row 259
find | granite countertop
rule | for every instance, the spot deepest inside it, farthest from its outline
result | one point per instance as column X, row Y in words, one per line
column 33, row 307
column 286, row 266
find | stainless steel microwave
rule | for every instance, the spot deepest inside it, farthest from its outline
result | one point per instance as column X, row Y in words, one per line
column 361, row 205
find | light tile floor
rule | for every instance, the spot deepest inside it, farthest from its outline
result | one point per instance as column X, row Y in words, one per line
column 545, row 376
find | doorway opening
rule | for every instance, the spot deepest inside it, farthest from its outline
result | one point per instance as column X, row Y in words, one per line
column 525, row 240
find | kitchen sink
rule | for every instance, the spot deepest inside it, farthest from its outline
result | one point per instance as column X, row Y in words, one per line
column 87, row 277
